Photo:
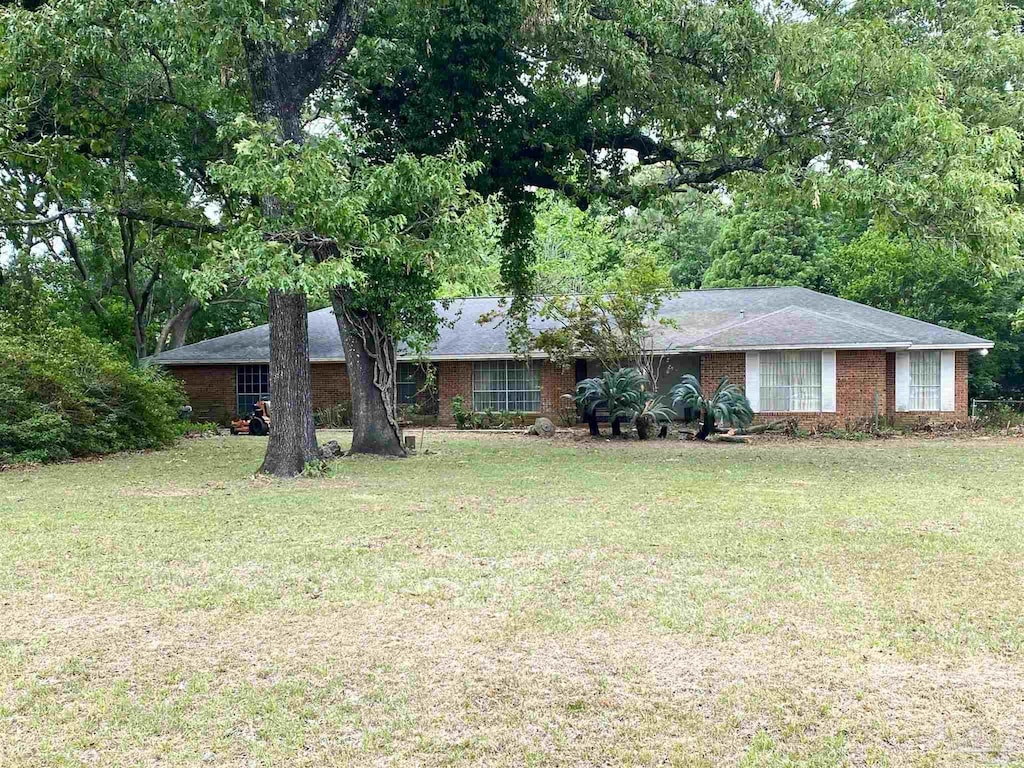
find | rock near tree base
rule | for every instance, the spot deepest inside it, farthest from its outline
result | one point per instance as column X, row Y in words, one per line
column 331, row 450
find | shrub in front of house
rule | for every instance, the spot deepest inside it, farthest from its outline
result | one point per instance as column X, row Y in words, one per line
column 725, row 405
column 67, row 395
column 336, row 417
column 620, row 392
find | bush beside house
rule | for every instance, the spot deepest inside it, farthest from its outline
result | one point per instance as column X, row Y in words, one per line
column 67, row 395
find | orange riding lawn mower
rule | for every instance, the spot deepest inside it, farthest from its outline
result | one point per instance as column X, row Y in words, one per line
column 257, row 424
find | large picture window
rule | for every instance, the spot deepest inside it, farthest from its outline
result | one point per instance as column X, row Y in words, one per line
column 925, row 380
column 252, row 384
column 790, row 381
column 506, row 385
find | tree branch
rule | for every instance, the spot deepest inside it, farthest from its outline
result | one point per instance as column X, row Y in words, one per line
column 313, row 66
column 717, row 76
column 128, row 213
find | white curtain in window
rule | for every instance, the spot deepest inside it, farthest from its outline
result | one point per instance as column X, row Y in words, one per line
column 925, row 380
column 790, row 381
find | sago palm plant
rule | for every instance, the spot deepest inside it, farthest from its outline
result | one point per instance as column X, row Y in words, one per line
column 654, row 411
column 620, row 392
column 727, row 404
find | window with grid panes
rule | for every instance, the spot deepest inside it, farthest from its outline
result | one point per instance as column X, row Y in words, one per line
column 252, row 384
column 506, row 385
column 407, row 386
column 790, row 381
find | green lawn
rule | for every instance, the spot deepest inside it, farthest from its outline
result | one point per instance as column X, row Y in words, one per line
column 509, row 601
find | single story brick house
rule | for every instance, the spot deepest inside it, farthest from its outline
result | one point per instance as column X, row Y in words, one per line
column 797, row 353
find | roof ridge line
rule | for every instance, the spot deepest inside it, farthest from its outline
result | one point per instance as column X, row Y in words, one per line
column 856, row 323
column 738, row 323
column 889, row 312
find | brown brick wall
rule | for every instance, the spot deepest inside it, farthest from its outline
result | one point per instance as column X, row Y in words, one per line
column 555, row 381
column 715, row 365
column 859, row 374
column 210, row 390
column 330, row 385
column 860, row 379
column 455, row 377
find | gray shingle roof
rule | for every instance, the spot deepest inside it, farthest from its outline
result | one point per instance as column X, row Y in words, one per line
column 718, row 319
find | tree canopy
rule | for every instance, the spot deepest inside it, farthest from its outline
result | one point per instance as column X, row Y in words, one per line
column 151, row 137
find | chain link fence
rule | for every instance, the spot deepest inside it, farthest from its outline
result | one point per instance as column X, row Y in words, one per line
column 1002, row 414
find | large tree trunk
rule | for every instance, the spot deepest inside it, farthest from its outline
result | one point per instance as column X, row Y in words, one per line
column 292, row 442
column 372, row 372
column 172, row 334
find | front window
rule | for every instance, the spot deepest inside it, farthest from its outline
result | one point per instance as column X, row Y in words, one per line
column 252, row 384
column 506, row 385
column 925, row 380
column 790, row 381
column 407, row 383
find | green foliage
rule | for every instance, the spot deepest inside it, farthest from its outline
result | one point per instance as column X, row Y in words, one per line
column 485, row 419
column 462, row 416
column 874, row 108
column 615, row 323
column 335, row 417
column 67, row 396
column 653, row 411
column 576, row 250
column 1001, row 415
column 924, row 280
column 620, row 392
column 681, row 229
column 768, row 246
column 389, row 233
column 726, row 405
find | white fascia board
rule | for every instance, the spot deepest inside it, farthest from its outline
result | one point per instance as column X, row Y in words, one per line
column 401, row 359
column 977, row 345
column 486, row 356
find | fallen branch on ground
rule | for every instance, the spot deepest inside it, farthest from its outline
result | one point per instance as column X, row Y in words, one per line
column 756, row 429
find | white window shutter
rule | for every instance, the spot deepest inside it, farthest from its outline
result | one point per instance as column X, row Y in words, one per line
column 948, row 380
column 902, row 381
column 828, row 381
column 752, row 385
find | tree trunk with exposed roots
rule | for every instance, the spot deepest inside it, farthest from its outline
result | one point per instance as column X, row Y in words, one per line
column 371, row 365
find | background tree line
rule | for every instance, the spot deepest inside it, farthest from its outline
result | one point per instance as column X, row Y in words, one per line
column 174, row 170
